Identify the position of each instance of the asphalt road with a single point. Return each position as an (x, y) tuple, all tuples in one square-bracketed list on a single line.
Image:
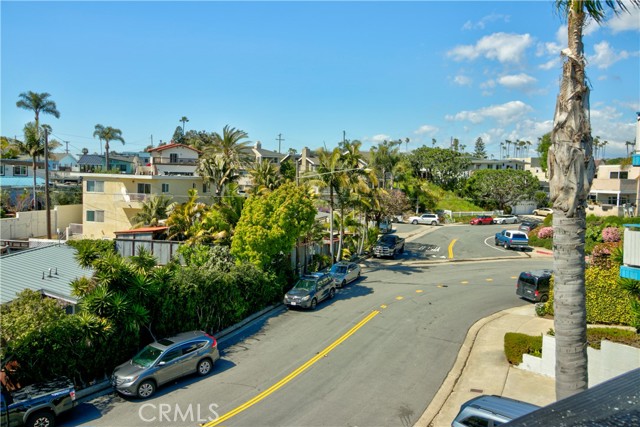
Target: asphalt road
[(374, 356)]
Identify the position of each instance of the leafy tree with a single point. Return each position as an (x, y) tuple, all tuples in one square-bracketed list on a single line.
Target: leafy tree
[(183, 217), (107, 134), (384, 159), (8, 149), (394, 202), (198, 139), (571, 172), (271, 224), (544, 144), (67, 196), (501, 188), (288, 170), (443, 167), (153, 210), (33, 145), (480, 151), (27, 313), (178, 135)]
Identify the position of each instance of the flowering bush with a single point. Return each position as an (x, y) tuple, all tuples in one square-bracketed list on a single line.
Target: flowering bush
[(601, 254), (611, 234), (545, 233)]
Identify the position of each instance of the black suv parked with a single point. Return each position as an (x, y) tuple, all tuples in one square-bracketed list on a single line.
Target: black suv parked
[(534, 285)]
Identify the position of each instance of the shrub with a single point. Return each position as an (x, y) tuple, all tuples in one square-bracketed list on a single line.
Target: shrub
[(611, 234), (607, 302), (545, 233), (517, 344), (601, 254), (541, 309), (617, 335)]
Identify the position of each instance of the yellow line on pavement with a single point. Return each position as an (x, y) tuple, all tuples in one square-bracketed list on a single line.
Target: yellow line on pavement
[(293, 374), (489, 280), (399, 298), (453, 242)]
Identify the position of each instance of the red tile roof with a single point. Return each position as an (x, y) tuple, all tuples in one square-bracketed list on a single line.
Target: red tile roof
[(172, 145), (142, 230)]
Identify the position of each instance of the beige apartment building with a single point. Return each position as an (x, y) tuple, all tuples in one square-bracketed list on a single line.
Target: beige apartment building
[(110, 201)]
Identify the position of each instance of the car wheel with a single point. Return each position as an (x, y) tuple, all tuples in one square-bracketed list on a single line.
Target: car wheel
[(314, 303), (496, 242), (204, 367), (402, 249), (544, 298), (332, 293), (41, 419), (434, 223), (414, 222), (506, 245), (358, 276), (342, 285), (146, 389)]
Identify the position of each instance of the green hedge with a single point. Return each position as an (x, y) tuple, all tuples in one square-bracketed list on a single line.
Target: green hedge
[(607, 302), (517, 344)]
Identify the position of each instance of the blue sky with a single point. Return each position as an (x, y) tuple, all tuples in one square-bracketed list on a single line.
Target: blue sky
[(311, 70)]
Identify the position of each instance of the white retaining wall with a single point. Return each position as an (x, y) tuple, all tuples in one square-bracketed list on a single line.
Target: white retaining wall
[(610, 361)]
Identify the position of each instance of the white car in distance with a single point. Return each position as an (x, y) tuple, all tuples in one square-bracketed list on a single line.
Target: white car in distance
[(425, 219), (505, 219)]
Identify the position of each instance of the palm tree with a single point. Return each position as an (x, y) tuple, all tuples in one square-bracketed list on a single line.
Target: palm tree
[(33, 146), (183, 119), (571, 170), (38, 103), (183, 217), (266, 176), (107, 134), (153, 210), (224, 158)]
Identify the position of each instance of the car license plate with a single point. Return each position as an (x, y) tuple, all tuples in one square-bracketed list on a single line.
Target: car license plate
[(293, 303)]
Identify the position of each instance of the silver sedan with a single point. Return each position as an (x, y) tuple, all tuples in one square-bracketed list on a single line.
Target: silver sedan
[(344, 272), (505, 219)]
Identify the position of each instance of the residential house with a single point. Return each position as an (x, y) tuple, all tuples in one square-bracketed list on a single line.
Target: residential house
[(496, 164), (260, 155), (16, 177), (614, 187), (47, 269), (171, 159)]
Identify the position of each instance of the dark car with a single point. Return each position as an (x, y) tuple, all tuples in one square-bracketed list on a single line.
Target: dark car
[(166, 360), (37, 404), (310, 290), (534, 285), (527, 226), (482, 220)]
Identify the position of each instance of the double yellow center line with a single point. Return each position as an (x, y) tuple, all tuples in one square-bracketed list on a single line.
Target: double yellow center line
[(293, 374)]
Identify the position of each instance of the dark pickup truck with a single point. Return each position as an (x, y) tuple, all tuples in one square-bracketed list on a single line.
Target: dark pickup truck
[(37, 405), (388, 245)]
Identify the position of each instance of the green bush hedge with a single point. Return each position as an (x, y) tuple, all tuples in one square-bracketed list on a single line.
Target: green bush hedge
[(607, 302), (517, 344)]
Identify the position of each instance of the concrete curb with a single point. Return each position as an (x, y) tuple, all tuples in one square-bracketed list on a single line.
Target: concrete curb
[(452, 378)]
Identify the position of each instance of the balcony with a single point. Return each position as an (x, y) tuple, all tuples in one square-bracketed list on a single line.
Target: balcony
[(174, 161), (131, 197)]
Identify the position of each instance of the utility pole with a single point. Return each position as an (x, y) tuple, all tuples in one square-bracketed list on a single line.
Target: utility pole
[(67, 146), (344, 137), (46, 180), (279, 139)]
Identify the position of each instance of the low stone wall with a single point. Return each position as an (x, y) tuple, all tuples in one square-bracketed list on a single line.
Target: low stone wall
[(610, 361)]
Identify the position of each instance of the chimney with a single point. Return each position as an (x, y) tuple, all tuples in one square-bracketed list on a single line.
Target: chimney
[(258, 145)]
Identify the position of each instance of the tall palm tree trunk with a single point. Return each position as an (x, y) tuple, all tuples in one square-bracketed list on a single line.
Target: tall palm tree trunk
[(35, 168), (571, 169), (331, 225)]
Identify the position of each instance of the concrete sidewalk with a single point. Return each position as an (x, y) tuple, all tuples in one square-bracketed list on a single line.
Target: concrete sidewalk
[(482, 368)]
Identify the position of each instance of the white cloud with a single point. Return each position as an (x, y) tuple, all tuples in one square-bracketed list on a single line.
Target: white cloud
[(380, 138), (502, 47), (605, 56), (426, 130), (481, 24), (625, 21), (517, 81), (553, 63), (503, 114), (462, 80)]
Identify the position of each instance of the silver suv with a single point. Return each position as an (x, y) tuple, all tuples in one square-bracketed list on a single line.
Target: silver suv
[(490, 411), (166, 360)]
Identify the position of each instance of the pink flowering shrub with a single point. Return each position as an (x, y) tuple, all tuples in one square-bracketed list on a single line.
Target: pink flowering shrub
[(545, 233), (601, 254), (611, 234)]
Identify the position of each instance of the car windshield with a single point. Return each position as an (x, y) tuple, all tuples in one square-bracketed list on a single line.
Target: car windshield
[(146, 356), (306, 284), (388, 239), (339, 269)]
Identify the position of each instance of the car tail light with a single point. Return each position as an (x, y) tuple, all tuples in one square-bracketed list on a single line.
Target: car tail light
[(536, 293), (73, 394), (215, 342)]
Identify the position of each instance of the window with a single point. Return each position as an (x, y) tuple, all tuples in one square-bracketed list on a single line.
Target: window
[(171, 355), (173, 158), (19, 171), (1, 170), (95, 216), (144, 188), (619, 175), (165, 188), (205, 187), (123, 168), (475, 421), (95, 186)]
